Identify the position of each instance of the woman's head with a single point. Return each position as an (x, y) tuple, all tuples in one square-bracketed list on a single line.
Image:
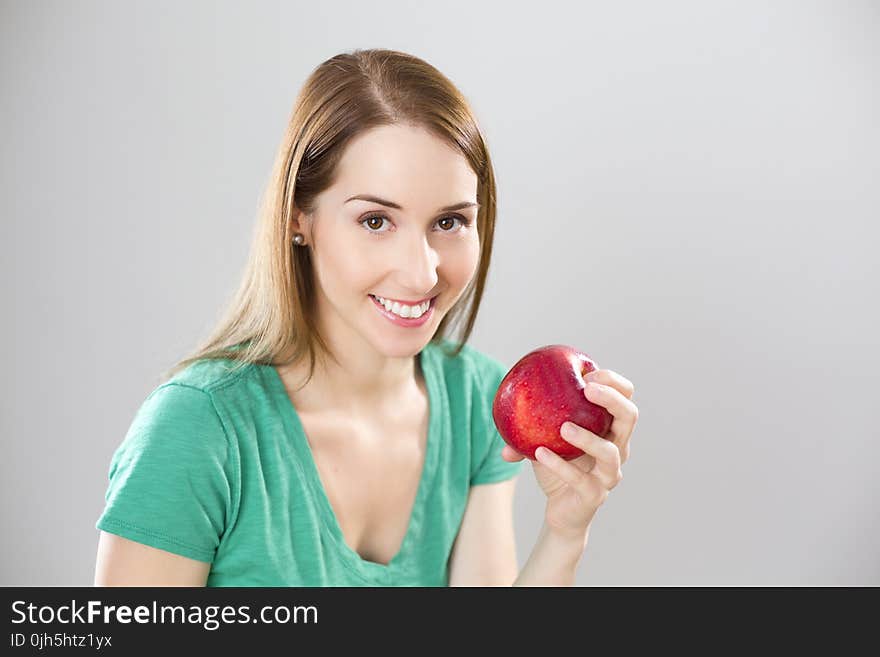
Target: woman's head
[(376, 123), (361, 247)]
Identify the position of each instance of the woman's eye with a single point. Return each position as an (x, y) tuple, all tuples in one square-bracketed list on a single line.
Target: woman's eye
[(374, 222), (451, 219)]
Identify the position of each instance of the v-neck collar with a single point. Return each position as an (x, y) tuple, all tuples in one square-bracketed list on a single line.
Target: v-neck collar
[(295, 434)]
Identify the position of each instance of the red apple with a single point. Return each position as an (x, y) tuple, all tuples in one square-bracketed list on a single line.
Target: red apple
[(544, 389)]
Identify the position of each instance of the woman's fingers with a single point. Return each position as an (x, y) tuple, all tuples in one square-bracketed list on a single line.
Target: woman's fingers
[(624, 411), (613, 379), (606, 453), (566, 471), (510, 454)]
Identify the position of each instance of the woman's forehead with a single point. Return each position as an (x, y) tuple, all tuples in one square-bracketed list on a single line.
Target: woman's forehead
[(413, 171)]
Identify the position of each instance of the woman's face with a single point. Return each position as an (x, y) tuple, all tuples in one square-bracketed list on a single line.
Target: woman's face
[(411, 253)]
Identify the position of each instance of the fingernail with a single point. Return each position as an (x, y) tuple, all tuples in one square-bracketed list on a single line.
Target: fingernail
[(567, 429)]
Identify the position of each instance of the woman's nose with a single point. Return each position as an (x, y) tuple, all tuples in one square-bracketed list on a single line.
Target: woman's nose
[(418, 266)]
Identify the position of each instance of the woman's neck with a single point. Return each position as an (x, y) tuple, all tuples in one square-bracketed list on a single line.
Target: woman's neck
[(363, 386)]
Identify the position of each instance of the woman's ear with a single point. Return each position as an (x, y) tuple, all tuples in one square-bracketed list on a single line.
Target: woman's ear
[(301, 224)]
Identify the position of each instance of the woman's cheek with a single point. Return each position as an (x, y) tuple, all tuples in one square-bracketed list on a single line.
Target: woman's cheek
[(469, 260)]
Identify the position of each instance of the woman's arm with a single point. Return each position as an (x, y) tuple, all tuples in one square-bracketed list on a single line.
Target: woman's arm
[(554, 559), (122, 562), (484, 553)]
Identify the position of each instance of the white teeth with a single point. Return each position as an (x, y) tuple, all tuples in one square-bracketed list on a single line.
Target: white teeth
[(402, 310)]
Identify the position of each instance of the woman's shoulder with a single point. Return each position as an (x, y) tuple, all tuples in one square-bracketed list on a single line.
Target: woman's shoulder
[(210, 374), (198, 392)]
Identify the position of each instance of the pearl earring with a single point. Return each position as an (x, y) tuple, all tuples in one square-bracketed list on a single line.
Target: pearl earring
[(299, 239)]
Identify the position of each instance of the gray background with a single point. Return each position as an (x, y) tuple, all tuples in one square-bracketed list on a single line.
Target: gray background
[(688, 191)]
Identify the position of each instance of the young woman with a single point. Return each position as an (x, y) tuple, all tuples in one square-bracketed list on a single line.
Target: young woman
[(329, 432)]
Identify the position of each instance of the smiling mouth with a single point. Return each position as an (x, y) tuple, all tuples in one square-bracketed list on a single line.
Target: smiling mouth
[(425, 307)]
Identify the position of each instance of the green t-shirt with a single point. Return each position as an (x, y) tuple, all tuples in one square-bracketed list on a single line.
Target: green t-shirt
[(216, 467)]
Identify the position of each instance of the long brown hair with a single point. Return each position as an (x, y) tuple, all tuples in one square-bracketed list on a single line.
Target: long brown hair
[(271, 317)]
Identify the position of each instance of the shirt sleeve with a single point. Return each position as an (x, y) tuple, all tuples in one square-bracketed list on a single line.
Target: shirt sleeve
[(171, 478), (491, 467)]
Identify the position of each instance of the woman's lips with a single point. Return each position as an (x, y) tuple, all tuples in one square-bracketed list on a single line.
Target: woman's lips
[(408, 322)]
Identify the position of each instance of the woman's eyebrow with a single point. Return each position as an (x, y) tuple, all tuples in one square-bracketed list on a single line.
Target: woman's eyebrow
[(392, 204)]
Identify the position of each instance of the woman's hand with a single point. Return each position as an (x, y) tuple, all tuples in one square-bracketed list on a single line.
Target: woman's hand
[(575, 489)]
